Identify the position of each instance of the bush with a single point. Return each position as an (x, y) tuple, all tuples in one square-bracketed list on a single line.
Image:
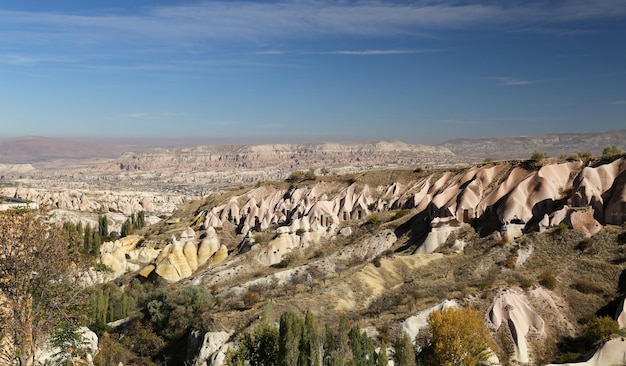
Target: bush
[(299, 176), (584, 245), (373, 222), (288, 259), (611, 151), (587, 287), (250, 299), (598, 329), (525, 282), (548, 280), (511, 262), (537, 156), (173, 312), (460, 337)]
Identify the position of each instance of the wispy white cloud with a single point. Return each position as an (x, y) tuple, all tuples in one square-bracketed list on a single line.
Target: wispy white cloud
[(618, 102), (373, 52), (271, 52), (134, 115), (20, 59), (146, 115), (506, 81), (246, 20)]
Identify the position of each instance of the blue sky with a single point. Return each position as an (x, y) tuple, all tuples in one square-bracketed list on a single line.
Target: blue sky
[(304, 70)]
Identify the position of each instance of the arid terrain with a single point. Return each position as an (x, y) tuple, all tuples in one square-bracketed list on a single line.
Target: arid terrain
[(380, 234)]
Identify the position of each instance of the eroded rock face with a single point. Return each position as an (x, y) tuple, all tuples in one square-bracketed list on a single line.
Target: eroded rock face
[(125, 202), (603, 188), (514, 194), (211, 351), (414, 324), (512, 308), (180, 259), (305, 215), (612, 352), (121, 256)]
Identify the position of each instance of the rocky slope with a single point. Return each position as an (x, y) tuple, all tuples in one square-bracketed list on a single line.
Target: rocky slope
[(384, 247), (521, 147), (343, 244), (282, 157)]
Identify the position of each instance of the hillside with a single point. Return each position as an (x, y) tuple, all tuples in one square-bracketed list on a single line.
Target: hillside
[(521, 147), (536, 247)]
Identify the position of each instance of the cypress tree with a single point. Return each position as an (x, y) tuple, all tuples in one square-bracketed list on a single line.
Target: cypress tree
[(126, 228), (264, 350), (141, 219), (95, 244), (405, 354), (290, 333), (354, 337), (310, 350), (383, 359), (87, 239), (103, 226)]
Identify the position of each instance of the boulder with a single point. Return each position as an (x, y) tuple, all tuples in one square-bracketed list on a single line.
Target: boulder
[(211, 345)]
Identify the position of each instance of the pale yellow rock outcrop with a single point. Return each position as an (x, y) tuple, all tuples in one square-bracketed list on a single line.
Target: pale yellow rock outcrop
[(191, 254), (220, 255), (208, 247)]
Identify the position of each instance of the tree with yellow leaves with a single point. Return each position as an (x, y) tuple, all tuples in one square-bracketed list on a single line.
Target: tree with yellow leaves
[(459, 337)]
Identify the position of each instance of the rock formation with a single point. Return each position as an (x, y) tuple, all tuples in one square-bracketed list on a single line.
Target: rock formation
[(511, 308), (611, 352), (181, 258)]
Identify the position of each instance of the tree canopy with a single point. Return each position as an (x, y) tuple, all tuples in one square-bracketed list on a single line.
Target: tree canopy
[(39, 294), (460, 337)]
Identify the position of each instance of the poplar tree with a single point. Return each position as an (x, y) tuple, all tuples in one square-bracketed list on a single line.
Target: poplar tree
[(290, 333), (103, 226), (405, 354), (383, 359), (310, 349)]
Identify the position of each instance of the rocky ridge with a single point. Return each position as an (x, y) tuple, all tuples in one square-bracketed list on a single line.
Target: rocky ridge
[(220, 246), (519, 147)]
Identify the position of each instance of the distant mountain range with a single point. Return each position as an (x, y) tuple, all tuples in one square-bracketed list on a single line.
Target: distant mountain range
[(35, 149), (521, 147)]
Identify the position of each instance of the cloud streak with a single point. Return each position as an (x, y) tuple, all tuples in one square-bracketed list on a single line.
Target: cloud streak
[(251, 21), (506, 81), (146, 115), (373, 52)]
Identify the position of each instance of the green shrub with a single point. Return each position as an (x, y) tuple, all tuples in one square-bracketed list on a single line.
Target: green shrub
[(598, 329), (373, 222), (173, 312), (525, 282), (548, 280), (537, 156), (611, 151), (288, 259), (587, 287)]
